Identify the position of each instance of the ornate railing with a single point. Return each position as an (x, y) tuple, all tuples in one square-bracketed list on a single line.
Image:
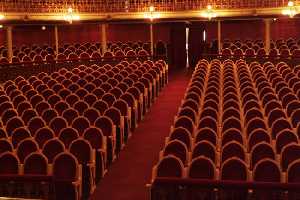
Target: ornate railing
[(106, 6)]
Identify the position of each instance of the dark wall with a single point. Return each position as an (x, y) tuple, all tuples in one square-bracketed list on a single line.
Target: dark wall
[(162, 32), (280, 29), (243, 30), (2, 36), (79, 33), (28, 35), (211, 29), (232, 30), (138, 32), (196, 42), (178, 42), (86, 33), (285, 28), (128, 32)]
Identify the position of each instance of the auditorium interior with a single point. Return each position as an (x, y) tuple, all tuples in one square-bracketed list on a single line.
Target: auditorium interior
[(150, 99)]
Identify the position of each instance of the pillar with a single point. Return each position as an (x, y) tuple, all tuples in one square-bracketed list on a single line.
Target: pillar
[(267, 35), (151, 39), (56, 39), (9, 43), (103, 37), (219, 37)]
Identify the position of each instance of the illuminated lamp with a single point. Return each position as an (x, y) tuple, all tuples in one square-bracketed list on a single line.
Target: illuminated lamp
[(291, 10), (70, 16), (209, 13), (151, 14)]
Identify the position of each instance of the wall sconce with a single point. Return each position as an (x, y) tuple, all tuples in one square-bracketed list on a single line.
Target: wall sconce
[(291, 10), (209, 13), (70, 16), (151, 14)]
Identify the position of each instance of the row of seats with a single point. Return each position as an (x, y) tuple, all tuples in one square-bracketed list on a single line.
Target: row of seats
[(89, 47), (260, 53), (237, 122), (248, 48), (279, 44), (77, 51), (72, 124), (68, 55)]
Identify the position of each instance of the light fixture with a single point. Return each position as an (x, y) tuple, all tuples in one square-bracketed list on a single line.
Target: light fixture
[(209, 13), (2, 16), (151, 8), (290, 3), (43, 28), (291, 10), (151, 14), (1, 26), (70, 16)]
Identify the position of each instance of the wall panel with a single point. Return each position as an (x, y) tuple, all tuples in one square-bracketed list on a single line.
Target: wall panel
[(285, 28), (79, 33), (28, 35), (2, 36), (128, 32)]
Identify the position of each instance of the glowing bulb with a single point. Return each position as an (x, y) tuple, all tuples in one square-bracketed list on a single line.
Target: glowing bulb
[(1, 26), (43, 28), (2, 16), (209, 7), (274, 19), (70, 10), (290, 4), (151, 8)]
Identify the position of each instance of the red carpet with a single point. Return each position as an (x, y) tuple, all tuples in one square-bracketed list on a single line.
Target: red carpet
[(129, 174)]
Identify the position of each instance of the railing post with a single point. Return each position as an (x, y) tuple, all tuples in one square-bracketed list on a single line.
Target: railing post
[(9, 43)]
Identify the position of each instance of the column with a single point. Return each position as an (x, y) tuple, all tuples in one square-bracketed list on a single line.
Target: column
[(219, 37), (103, 37), (151, 39), (56, 40), (267, 35), (9, 42)]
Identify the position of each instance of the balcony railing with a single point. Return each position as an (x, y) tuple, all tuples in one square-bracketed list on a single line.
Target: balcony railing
[(108, 6)]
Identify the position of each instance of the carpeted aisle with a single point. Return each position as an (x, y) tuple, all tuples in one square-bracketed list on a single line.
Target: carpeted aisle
[(129, 174)]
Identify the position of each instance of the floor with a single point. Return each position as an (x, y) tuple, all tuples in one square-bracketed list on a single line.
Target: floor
[(129, 174)]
